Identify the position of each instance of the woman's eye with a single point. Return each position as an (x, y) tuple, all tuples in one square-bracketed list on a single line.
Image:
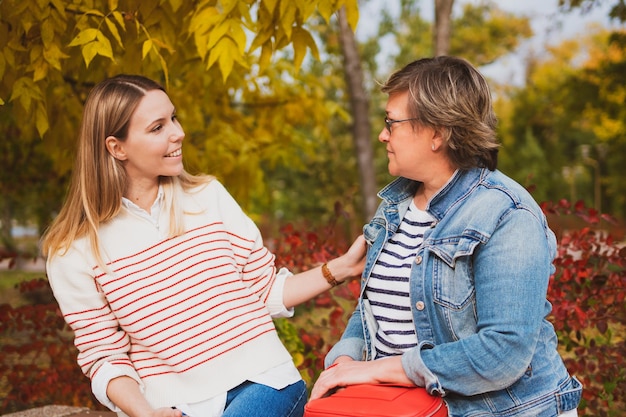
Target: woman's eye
[(157, 128)]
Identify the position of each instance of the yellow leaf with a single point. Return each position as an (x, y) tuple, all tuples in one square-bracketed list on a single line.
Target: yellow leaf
[(113, 5), (204, 19), (89, 51), (326, 9), (40, 69), (25, 90), (47, 32), (105, 48), (238, 35), (113, 29), (266, 55), (95, 12), (287, 16), (176, 4), (223, 54), (3, 65), (217, 33), (60, 6), (162, 45), (298, 358), (261, 38), (352, 13), (41, 119), (147, 46), (165, 71), (228, 5), (1, 102), (302, 40), (53, 56), (119, 18), (35, 53), (270, 5), (84, 37)]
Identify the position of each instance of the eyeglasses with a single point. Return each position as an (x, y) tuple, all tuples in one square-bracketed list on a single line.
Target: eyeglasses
[(389, 122)]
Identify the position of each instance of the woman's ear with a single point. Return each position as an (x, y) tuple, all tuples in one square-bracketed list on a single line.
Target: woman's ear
[(115, 148), (439, 139)]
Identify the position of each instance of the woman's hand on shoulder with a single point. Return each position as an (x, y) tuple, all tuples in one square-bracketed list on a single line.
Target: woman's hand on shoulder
[(354, 259)]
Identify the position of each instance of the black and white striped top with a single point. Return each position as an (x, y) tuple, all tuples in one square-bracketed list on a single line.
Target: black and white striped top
[(388, 287)]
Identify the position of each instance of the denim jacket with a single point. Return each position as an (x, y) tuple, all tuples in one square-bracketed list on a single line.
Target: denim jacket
[(478, 294)]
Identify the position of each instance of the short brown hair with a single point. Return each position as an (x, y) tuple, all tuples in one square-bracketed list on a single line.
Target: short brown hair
[(449, 95)]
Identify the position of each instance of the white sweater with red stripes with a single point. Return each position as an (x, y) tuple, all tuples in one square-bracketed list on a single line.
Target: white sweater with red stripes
[(188, 317)]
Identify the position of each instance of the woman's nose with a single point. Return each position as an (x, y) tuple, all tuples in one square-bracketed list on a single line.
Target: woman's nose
[(178, 134), (383, 136)]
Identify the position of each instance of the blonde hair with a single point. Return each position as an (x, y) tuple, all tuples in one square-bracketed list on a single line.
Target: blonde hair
[(99, 180), (449, 95)]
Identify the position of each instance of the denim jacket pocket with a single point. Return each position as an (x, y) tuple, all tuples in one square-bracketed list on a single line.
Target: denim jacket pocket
[(453, 284)]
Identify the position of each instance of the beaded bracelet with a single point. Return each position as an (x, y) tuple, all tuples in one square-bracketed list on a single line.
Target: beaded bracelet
[(329, 276)]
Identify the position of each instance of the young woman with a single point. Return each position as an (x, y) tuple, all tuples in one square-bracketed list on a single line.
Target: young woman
[(453, 296), (164, 280)]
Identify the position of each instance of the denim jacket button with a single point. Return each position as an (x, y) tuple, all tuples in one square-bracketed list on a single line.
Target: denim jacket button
[(419, 305), (418, 259)]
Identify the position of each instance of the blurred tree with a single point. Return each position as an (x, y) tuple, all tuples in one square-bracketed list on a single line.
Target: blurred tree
[(617, 11), (573, 106), (443, 27), (230, 66), (482, 33)]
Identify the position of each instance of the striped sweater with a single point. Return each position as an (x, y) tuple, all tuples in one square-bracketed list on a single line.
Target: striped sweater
[(187, 317)]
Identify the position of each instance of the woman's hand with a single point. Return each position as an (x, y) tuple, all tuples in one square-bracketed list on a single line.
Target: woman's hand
[(167, 412), (308, 284), (351, 263), (346, 371)]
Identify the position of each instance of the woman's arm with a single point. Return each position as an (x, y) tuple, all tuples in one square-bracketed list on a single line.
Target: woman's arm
[(306, 285), (346, 371), (124, 392)]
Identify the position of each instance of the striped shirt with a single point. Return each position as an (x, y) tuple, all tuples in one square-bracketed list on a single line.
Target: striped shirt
[(188, 317), (388, 286)]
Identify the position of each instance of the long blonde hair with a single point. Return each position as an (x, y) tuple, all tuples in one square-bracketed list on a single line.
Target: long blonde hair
[(99, 180)]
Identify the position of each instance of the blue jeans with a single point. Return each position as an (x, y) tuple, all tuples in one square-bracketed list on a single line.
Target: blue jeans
[(256, 400)]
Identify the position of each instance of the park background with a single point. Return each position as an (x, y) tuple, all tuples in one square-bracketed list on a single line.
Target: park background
[(280, 101)]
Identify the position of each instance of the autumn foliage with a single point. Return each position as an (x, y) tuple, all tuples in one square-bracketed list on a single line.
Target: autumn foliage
[(588, 292)]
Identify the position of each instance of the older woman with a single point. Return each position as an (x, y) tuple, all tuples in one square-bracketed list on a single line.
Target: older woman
[(453, 294)]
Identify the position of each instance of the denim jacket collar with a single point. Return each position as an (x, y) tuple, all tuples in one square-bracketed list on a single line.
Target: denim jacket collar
[(459, 185)]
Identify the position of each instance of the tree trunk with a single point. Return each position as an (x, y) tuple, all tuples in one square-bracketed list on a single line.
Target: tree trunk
[(443, 26), (359, 106)]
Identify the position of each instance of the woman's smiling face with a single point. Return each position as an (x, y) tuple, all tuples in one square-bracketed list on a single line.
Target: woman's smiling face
[(153, 147)]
